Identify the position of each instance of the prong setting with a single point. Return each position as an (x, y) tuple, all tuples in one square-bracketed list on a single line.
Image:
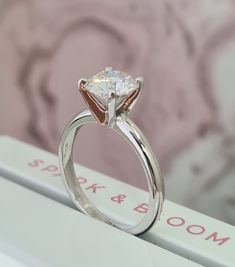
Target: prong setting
[(82, 81), (111, 113), (110, 93), (140, 80)]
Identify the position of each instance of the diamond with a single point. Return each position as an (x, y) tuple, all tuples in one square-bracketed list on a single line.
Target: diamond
[(108, 82)]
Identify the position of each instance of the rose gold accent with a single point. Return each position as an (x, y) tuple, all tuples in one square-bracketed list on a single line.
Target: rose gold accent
[(95, 108), (130, 99)]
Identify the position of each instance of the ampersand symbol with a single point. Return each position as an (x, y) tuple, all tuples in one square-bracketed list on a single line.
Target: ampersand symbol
[(119, 198)]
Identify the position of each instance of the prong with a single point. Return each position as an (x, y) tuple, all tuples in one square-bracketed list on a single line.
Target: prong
[(82, 81), (133, 97), (141, 81), (92, 104), (111, 114)]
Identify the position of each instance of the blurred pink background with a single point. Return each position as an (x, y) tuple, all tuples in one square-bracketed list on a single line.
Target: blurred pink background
[(184, 49)]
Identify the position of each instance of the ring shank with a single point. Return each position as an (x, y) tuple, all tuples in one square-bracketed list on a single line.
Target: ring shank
[(127, 130)]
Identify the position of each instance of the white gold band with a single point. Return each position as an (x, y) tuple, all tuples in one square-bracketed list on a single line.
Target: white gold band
[(127, 130)]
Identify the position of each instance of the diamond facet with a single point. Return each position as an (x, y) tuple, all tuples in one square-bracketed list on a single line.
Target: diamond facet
[(108, 82)]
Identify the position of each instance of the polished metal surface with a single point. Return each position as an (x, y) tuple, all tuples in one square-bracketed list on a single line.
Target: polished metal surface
[(115, 117), (128, 130)]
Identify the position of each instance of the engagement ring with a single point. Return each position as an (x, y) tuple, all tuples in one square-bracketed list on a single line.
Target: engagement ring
[(110, 95)]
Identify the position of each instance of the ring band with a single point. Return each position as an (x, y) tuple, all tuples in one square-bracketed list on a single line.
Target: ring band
[(115, 117)]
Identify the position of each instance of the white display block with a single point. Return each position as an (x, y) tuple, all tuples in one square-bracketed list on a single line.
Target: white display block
[(8, 261), (185, 232), (40, 232)]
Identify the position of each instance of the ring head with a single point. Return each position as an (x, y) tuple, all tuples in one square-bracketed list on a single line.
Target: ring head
[(110, 92)]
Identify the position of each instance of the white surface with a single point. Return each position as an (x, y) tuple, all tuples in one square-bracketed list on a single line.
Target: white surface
[(38, 170), (8, 261), (38, 231)]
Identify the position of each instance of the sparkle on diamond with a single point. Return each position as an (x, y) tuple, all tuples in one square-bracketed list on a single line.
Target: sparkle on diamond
[(109, 81)]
